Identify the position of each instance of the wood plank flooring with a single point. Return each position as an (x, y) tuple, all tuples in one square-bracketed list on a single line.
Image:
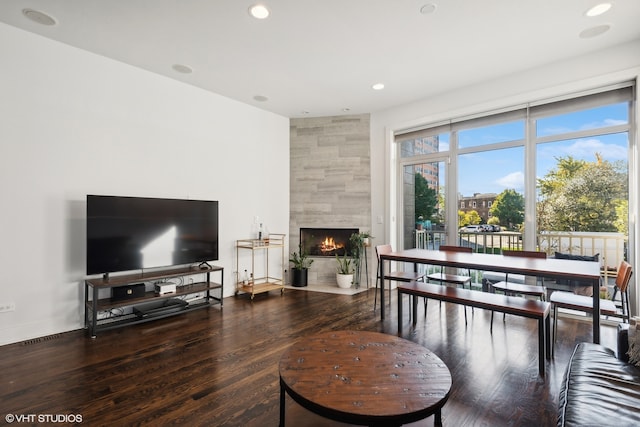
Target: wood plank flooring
[(219, 366)]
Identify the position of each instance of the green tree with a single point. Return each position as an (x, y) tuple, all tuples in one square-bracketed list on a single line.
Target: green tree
[(550, 189), (622, 212), (509, 207), (473, 217), (462, 219), (583, 196), (426, 198), (555, 179), (468, 218), (438, 217), (494, 220)]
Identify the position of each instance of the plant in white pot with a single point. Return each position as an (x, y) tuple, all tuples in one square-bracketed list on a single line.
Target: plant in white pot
[(344, 272)]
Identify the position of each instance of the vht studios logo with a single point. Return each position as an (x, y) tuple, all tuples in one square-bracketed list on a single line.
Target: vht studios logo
[(43, 418)]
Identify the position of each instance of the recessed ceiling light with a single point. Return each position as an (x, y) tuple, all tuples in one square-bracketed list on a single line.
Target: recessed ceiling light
[(594, 31), (345, 109), (184, 69), (598, 9), (259, 11), (260, 98), (304, 112), (39, 17), (378, 86), (428, 8)]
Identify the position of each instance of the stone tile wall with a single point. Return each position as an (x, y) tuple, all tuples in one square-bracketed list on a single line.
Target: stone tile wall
[(330, 182)]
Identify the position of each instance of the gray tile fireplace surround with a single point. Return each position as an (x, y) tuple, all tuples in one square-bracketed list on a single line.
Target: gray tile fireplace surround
[(330, 183)]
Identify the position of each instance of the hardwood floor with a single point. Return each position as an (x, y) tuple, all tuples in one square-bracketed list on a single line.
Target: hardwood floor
[(219, 367)]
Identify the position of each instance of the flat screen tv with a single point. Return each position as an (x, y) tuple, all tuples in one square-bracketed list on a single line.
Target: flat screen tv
[(131, 233)]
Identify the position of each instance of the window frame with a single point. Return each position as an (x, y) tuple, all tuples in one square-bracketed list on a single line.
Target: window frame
[(530, 112)]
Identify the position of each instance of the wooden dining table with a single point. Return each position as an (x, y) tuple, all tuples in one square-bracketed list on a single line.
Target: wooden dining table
[(586, 271)]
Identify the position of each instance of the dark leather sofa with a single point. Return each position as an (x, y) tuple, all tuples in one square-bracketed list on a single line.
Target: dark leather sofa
[(600, 389)]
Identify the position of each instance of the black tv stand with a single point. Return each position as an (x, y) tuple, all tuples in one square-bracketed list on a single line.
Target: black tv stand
[(204, 265), (115, 314)]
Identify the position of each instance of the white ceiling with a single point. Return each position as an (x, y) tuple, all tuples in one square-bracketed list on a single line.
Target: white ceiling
[(321, 57)]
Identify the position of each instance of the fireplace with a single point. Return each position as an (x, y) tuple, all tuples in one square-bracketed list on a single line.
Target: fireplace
[(327, 242)]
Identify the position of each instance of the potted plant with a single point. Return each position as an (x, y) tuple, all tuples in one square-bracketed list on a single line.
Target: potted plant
[(344, 272), (301, 263), (358, 241)]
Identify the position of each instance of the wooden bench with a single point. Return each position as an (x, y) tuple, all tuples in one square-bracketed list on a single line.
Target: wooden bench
[(518, 306)]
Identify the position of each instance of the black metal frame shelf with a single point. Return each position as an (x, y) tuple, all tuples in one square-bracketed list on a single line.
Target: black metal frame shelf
[(94, 304)]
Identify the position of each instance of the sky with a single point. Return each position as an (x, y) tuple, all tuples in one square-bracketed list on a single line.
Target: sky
[(498, 170)]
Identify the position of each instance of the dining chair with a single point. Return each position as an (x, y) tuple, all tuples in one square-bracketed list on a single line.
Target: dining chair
[(398, 276), (512, 288), (571, 301), (454, 279), (624, 300)]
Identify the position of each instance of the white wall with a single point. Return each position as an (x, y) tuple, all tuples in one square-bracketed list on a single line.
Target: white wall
[(558, 79), (73, 123)]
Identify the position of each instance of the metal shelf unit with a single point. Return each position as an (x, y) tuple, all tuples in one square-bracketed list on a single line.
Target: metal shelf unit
[(260, 248), (94, 304)]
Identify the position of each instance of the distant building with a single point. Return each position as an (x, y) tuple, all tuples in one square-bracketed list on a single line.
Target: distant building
[(424, 145), (479, 202), (414, 147)]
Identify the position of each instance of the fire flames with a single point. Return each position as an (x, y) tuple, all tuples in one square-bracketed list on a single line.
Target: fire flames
[(329, 245)]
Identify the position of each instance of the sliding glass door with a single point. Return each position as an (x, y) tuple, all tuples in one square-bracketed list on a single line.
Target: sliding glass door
[(423, 202)]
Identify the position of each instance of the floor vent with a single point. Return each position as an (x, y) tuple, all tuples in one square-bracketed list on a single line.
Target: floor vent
[(41, 339)]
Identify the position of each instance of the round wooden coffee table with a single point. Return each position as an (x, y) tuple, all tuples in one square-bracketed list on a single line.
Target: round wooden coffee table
[(364, 378)]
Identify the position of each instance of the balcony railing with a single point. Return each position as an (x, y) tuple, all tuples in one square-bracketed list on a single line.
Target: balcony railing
[(611, 246), (480, 241)]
